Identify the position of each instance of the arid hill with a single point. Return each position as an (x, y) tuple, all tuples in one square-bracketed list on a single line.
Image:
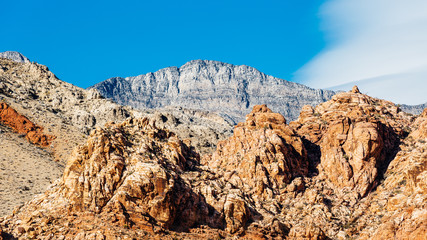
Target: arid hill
[(57, 116), (351, 168)]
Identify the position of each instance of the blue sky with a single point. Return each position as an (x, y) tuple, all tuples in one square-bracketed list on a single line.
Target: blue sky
[(85, 42), (378, 44)]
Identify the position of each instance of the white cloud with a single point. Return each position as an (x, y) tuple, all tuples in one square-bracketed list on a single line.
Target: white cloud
[(380, 43)]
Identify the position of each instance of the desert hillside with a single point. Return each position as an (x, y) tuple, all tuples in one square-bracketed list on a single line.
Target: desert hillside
[(43, 119), (353, 167)]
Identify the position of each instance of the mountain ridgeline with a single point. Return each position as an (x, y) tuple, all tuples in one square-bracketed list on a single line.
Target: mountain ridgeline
[(230, 90)]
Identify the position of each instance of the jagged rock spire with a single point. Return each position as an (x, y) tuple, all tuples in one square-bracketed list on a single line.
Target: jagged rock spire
[(355, 89)]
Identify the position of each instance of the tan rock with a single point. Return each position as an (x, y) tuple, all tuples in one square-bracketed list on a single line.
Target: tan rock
[(352, 136), (420, 125), (404, 226), (355, 89), (264, 152), (236, 213), (352, 160), (309, 232), (125, 174), (137, 181)]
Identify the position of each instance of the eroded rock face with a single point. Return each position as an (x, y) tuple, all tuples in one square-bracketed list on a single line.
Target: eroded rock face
[(22, 125), (69, 113), (355, 135), (351, 153), (212, 86), (125, 175), (403, 192), (264, 153), (135, 180)]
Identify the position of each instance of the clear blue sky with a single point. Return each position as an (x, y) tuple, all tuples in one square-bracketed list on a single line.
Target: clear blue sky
[(85, 42)]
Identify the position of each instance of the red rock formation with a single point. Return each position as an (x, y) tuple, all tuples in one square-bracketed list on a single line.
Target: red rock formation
[(355, 135), (22, 125), (264, 152), (125, 176), (133, 180)]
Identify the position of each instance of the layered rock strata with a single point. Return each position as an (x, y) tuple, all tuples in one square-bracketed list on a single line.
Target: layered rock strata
[(226, 89)]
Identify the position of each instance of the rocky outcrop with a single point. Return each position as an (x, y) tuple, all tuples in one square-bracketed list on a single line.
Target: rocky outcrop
[(125, 176), (351, 168), (356, 137), (134, 179), (420, 125), (204, 129), (69, 113), (401, 198), (22, 125), (14, 56), (264, 153), (213, 86), (36, 92)]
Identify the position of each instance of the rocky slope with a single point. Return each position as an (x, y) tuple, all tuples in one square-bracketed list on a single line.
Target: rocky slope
[(34, 91), (353, 167), (58, 116), (223, 88), (25, 170)]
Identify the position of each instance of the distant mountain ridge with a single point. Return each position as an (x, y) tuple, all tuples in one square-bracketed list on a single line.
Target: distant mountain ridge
[(230, 90), (414, 109), (15, 56)]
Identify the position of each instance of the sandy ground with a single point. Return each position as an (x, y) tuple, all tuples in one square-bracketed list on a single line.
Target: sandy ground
[(25, 170)]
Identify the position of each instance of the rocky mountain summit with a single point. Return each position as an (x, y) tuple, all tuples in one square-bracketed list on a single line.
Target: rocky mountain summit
[(226, 89), (354, 167), (14, 56)]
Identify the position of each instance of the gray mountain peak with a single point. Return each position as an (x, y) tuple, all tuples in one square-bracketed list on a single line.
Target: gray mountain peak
[(230, 90), (15, 56)]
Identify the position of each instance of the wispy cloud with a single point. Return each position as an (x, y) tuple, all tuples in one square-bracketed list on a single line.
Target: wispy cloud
[(381, 44)]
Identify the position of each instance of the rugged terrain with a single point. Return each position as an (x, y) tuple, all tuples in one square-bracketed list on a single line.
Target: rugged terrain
[(226, 89), (353, 167), (57, 116)]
